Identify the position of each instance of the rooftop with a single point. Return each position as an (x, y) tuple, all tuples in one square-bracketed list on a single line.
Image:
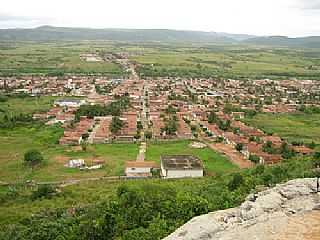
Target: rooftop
[(181, 162)]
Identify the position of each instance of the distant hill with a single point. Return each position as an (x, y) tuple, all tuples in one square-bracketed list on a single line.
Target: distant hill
[(311, 42), (49, 33)]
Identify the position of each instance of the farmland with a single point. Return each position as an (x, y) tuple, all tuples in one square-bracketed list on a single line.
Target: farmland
[(229, 62), (53, 59), (161, 60)]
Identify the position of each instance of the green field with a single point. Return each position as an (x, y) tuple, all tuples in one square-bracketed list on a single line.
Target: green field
[(214, 163), (293, 127), (53, 58), (15, 142), (26, 105), (162, 59), (229, 62)]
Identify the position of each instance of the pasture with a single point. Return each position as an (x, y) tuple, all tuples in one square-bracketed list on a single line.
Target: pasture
[(293, 127)]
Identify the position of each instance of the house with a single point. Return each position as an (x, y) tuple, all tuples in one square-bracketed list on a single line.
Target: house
[(75, 163), (237, 115), (234, 139), (181, 166), (69, 102), (139, 169)]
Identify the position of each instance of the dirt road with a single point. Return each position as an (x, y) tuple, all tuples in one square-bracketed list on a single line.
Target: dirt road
[(235, 157)]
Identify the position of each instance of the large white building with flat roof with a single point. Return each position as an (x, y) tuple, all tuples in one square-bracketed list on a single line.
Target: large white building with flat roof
[(181, 166)]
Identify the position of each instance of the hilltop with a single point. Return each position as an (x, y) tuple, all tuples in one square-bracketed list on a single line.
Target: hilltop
[(276, 213), (50, 33)]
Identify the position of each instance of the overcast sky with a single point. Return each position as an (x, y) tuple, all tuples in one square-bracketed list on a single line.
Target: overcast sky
[(260, 17)]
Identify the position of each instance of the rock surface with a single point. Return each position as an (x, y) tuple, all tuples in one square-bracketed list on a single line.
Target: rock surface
[(287, 211)]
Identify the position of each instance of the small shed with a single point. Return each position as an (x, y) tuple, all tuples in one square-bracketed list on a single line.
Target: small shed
[(75, 163)]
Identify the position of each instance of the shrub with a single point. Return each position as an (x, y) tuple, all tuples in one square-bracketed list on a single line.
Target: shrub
[(33, 157), (254, 158), (43, 191), (236, 181)]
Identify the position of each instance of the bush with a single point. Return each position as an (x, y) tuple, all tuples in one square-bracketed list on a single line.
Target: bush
[(3, 98), (43, 191), (236, 181), (254, 158), (33, 157)]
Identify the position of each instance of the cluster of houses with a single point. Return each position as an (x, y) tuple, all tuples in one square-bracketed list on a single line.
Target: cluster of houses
[(154, 102)]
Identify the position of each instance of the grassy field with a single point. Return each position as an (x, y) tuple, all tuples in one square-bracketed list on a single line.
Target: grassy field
[(50, 58), (26, 105), (213, 162), (293, 127), (162, 59), (229, 61), (17, 141), (14, 143)]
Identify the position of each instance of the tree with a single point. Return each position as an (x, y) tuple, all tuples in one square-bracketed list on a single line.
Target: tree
[(286, 151), (116, 124), (43, 191), (148, 135), (171, 125), (84, 145), (212, 118), (236, 181), (254, 158), (239, 147), (33, 157)]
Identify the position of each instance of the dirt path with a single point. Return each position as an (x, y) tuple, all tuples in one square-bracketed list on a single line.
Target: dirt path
[(235, 157)]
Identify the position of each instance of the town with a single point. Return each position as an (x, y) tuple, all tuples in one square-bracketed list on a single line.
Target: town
[(211, 112)]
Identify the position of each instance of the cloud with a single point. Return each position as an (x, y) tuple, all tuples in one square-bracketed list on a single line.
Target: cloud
[(309, 4), (7, 17), (10, 21)]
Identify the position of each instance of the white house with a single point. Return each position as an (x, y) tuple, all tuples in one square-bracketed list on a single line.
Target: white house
[(139, 169), (75, 163), (70, 102), (181, 166)]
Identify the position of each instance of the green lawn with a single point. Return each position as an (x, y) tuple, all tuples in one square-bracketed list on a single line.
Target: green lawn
[(293, 127), (213, 162)]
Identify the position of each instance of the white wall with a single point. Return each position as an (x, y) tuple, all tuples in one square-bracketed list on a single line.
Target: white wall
[(184, 173), (137, 170)]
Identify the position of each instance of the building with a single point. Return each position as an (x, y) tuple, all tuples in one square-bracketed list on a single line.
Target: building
[(139, 169), (69, 102), (181, 166)]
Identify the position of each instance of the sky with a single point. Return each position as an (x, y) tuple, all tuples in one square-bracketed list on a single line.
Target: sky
[(292, 18)]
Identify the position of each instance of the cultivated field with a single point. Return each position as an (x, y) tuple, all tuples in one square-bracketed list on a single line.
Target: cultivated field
[(229, 62), (161, 59)]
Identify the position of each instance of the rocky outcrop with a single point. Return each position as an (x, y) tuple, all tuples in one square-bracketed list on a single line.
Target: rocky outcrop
[(263, 216)]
